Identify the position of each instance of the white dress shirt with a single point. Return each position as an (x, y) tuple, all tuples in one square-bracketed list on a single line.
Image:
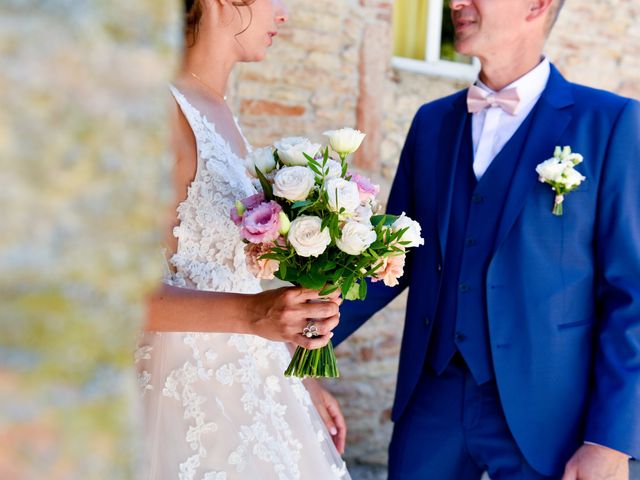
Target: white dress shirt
[(492, 127)]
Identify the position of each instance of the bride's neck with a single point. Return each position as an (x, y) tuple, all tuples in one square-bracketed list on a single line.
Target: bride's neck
[(212, 65)]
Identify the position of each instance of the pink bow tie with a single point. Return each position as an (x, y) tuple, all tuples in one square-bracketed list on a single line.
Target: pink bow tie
[(479, 99)]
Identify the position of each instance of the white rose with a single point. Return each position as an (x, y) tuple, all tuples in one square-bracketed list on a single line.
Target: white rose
[(332, 169), (345, 140), (307, 237), (261, 158), (342, 194), (571, 178), (363, 214), (356, 238), (413, 235), (293, 183), (551, 170), (291, 150)]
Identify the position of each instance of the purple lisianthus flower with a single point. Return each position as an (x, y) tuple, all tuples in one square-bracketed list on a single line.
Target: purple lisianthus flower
[(237, 212), (253, 201), (367, 189), (262, 223)]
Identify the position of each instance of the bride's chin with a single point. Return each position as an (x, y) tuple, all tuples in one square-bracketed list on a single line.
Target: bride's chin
[(255, 57)]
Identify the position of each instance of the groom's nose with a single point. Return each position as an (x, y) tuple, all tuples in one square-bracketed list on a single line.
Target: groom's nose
[(458, 4)]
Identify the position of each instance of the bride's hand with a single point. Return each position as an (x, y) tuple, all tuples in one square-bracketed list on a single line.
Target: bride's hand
[(282, 314), (329, 409)]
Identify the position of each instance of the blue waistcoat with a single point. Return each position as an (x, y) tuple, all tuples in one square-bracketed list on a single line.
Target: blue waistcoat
[(461, 316)]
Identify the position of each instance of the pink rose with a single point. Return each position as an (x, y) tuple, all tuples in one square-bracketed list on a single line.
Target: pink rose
[(248, 203), (261, 224), (366, 188), (261, 268), (391, 269)]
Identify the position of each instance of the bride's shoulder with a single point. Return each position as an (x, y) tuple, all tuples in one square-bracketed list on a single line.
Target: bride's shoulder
[(191, 98)]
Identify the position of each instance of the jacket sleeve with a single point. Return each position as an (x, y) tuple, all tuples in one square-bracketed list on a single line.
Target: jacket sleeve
[(614, 410), (353, 314)]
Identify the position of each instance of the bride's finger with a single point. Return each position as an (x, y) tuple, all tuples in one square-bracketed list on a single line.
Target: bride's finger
[(338, 420), (320, 310), (305, 294), (328, 421)]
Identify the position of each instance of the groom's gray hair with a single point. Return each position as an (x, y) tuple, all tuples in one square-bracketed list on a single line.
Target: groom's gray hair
[(554, 13)]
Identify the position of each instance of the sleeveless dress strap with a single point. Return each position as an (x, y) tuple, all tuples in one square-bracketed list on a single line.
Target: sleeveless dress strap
[(192, 115)]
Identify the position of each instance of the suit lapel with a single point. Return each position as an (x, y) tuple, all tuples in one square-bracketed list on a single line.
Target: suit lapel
[(454, 121), (551, 117)]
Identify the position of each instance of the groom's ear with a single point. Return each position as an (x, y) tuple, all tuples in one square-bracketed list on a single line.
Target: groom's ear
[(539, 9)]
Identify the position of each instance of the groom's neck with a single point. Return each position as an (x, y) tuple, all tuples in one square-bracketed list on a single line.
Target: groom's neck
[(498, 71)]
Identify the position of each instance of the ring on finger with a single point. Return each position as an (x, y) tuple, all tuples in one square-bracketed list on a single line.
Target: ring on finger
[(311, 330)]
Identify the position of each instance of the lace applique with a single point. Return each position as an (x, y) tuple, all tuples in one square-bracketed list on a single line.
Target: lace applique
[(210, 253), (260, 402), (215, 476), (144, 380), (179, 386)]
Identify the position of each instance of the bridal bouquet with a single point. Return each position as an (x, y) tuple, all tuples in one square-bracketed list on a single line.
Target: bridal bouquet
[(313, 225)]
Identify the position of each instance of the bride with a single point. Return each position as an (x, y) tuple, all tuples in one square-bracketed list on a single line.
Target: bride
[(211, 359)]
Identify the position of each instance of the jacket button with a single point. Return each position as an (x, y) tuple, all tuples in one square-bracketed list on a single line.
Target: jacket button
[(470, 242), (464, 288), (439, 267), (460, 337), (477, 199), (427, 321)]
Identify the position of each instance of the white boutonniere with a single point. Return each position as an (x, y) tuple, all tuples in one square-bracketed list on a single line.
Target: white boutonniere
[(560, 173)]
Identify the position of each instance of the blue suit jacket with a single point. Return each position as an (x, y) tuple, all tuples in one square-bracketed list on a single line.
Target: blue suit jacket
[(562, 293)]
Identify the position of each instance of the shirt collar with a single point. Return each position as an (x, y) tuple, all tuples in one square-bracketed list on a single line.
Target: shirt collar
[(530, 86)]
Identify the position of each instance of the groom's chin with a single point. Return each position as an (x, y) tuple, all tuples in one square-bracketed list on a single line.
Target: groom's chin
[(463, 46)]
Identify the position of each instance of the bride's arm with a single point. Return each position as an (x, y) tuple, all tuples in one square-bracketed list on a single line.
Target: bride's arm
[(279, 314)]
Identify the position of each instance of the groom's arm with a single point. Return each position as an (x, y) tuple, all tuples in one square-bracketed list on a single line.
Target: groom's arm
[(614, 413), (353, 314)]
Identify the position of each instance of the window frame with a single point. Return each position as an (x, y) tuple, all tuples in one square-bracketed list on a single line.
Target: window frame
[(433, 64)]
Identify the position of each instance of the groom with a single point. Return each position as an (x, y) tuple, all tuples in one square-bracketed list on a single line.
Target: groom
[(521, 347)]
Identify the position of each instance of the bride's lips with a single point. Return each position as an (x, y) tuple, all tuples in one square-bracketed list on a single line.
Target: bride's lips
[(271, 35)]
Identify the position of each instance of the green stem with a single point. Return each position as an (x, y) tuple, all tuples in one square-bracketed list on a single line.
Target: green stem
[(313, 363)]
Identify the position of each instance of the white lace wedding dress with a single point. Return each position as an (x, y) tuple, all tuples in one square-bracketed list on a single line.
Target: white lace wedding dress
[(217, 406)]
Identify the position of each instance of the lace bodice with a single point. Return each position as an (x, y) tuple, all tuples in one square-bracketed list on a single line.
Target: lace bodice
[(210, 253)]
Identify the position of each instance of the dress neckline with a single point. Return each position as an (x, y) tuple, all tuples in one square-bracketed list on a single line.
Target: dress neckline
[(212, 128)]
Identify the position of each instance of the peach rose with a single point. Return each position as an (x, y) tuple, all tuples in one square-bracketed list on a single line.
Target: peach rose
[(391, 269), (263, 269)]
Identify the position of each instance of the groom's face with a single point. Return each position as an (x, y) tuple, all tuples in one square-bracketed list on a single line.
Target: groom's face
[(487, 27)]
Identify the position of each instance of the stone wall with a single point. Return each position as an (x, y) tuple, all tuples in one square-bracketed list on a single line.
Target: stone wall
[(330, 67), (83, 156)]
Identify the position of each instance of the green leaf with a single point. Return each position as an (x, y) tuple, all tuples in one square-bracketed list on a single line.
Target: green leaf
[(327, 266), (271, 256), (363, 289), (316, 168), (264, 183), (384, 219), (337, 275), (346, 285), (302, 203), (328, 289), (353, 293), (344, 169), (312, 282)]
